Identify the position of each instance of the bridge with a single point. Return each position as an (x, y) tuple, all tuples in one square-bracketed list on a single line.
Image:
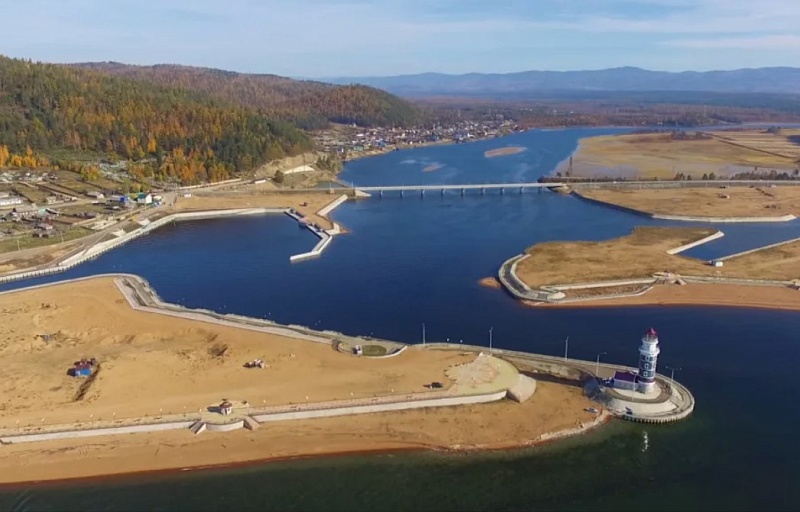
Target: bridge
[(463, 188)]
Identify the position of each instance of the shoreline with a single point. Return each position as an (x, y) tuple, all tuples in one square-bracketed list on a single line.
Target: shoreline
[(381, 448)]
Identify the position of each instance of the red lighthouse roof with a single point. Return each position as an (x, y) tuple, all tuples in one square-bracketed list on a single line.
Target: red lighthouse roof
[(652, 332)]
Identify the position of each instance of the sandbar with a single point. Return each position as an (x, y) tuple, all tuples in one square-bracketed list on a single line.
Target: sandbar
[(511, 150), (157, 365)]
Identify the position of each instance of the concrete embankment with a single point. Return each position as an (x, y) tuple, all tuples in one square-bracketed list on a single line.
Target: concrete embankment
[(104, 246)]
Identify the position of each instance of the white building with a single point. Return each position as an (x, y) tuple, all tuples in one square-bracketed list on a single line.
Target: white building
[(10, 201), (644, 381)]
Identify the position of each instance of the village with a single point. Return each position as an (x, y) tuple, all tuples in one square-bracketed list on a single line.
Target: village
[(350, 141), (37, 206)]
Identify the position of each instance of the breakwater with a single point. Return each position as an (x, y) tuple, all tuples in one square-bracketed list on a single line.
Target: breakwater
[(104, 246)]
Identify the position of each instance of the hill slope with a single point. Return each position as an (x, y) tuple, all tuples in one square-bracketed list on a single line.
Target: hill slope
[(783, 80), (309, 104), (191, 137)]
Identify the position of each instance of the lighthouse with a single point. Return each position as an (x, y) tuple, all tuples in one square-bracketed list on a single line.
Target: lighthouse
[(648, 356)]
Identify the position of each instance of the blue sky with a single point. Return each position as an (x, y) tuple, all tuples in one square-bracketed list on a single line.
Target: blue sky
[(318, 38)]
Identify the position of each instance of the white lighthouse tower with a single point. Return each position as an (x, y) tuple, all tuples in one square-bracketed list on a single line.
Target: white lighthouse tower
[(648, 356)]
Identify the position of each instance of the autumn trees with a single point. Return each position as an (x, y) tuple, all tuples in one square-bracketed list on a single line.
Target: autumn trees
[(308, 104), (170, 133)]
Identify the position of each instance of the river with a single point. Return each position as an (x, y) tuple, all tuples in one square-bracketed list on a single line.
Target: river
[(412, 260)]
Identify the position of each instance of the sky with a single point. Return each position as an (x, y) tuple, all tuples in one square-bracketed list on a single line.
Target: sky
[(336, 38)]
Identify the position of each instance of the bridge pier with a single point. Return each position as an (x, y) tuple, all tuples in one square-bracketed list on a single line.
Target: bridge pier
[(502, 191), (380, 193), (483, 191), (442, 192), (422, 192), (462, 192), (401, 193), (521, 189)]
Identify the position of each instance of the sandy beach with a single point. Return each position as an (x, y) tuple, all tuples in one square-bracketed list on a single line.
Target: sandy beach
[(157, 365)]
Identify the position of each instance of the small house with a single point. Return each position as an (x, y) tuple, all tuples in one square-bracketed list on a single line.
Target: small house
[(717, 263), (10, 201), (26, 210), (144, 198), (95, 194), (225, 408), (624, 380)]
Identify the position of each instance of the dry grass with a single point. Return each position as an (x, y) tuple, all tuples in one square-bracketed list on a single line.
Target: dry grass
[(783, 144), (778, 263), (643, 253), (640, 254), (657, 155), (743, 201)]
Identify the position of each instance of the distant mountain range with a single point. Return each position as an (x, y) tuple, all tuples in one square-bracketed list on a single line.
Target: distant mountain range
[(780, 80)]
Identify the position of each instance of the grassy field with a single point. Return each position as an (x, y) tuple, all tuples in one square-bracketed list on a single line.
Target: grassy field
[(642, 254), (741, 201), (29, 242), (658, 155)]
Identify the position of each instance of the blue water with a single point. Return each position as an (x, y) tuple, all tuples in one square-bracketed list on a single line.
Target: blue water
[(412, 260)]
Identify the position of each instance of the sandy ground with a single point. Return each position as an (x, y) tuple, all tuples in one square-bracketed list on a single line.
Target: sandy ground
[(502, 424), (640, 254), (742, 201), (39, 256), (503, 151), (706, 295), (153, 364), (657, 155), (261, 196)]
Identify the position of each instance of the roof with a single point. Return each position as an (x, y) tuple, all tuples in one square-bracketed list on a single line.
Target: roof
[(652, 332), (625, 376)]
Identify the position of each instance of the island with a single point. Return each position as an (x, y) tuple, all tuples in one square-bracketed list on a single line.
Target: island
[(646, 267), (511, 150)]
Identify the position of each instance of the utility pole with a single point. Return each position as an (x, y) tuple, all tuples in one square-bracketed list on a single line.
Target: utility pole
[(566, 348), (423, 333), (597, 364), (490, 339)]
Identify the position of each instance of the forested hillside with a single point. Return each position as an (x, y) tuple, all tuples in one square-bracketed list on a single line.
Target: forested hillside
[(188, 135), (311, 105)]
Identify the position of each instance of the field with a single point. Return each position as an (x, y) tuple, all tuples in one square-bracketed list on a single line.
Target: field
[(29, 242), (658, 155), (741, 201), (785, 144), (642, 254), (156, 365)]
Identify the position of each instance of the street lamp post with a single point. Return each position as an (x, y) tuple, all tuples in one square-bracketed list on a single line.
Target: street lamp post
[(672, 374), (597, 363), (566, 348), (490, 339)]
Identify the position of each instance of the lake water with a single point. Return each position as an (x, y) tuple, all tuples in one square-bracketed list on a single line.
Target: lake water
[(412, 260)]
